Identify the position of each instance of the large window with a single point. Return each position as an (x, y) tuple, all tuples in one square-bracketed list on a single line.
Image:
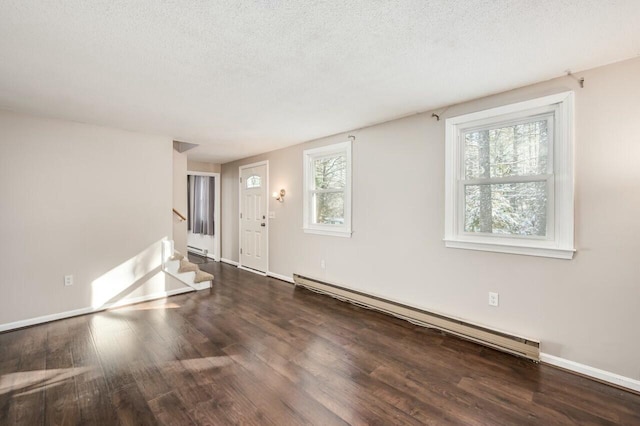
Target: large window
[(509, 183), (327, 194)]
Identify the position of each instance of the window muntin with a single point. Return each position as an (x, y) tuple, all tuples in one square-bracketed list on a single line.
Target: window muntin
[(328, 190), (509, 178)]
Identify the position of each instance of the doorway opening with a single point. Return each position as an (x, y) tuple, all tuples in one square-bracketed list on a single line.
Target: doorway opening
[(203, 215)]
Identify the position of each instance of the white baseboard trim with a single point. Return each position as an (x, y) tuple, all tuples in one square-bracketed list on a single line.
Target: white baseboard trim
[(281, 277), (596, 373), (201, 286), (255, 271), (229, 261), (83, 311)]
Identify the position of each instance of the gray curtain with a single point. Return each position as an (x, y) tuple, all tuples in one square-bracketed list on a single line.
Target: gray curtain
[(201, 204)]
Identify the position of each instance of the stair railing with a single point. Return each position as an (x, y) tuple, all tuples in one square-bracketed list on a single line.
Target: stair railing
[(180, 215)]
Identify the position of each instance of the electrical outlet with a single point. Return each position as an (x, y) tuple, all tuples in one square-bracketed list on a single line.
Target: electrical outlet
[(494, 299), (323, 264), (68, 280)]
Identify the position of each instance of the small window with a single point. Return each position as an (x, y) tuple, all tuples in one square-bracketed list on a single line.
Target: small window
[(254, 181), (327, 195), (510, 179)]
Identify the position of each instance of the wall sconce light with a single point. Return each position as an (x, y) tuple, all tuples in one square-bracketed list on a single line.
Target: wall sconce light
[(279, 195)]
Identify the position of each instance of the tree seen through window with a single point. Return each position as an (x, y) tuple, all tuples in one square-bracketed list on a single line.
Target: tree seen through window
[(496, 201)]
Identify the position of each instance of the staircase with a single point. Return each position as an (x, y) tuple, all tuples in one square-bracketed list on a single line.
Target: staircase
[(175, 264)]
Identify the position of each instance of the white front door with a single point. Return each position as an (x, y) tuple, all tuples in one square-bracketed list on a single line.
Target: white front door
[(253, 217)]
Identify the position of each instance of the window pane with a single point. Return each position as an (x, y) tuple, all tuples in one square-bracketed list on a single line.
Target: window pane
[(328, 208), (516, 150), (330, 172), (513, 208), (254, 181)]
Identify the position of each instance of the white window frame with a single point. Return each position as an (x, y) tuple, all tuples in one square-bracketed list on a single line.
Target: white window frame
[(559, 241), (308, 157)]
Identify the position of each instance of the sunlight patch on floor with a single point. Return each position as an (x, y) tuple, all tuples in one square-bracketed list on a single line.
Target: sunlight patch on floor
[(37, 380), (27, 382), (170, 305)]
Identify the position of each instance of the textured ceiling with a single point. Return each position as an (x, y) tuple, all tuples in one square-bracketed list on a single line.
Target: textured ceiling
[(244, 77)]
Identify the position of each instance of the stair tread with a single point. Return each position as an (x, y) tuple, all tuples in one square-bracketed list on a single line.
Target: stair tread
[(202, 276), (176, 256), (186, 266)]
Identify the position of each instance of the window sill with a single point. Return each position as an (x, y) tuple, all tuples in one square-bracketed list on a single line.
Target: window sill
[(329, 232), (552, 252)]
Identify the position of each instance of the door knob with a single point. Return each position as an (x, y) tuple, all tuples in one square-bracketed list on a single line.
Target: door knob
[(263, 224)]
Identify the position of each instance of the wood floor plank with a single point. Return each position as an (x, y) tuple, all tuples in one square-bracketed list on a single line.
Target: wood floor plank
[(26, 404), (169, 410), (91, 386), (115, 354), (96, 405), (61, 395), (130, 406), (277, 390), (254, 350)]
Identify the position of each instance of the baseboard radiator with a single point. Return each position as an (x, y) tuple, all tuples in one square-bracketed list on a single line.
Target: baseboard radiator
[(501, 341), (197, 250)]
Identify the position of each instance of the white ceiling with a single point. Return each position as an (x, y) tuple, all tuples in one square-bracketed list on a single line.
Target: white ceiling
[(245, 77)]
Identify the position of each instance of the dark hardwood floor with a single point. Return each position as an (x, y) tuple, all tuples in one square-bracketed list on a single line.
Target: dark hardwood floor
[(254, 350)]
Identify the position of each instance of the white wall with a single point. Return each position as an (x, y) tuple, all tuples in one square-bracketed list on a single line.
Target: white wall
[(180, 201), (83, 200), (584, 310), (199, 166)]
